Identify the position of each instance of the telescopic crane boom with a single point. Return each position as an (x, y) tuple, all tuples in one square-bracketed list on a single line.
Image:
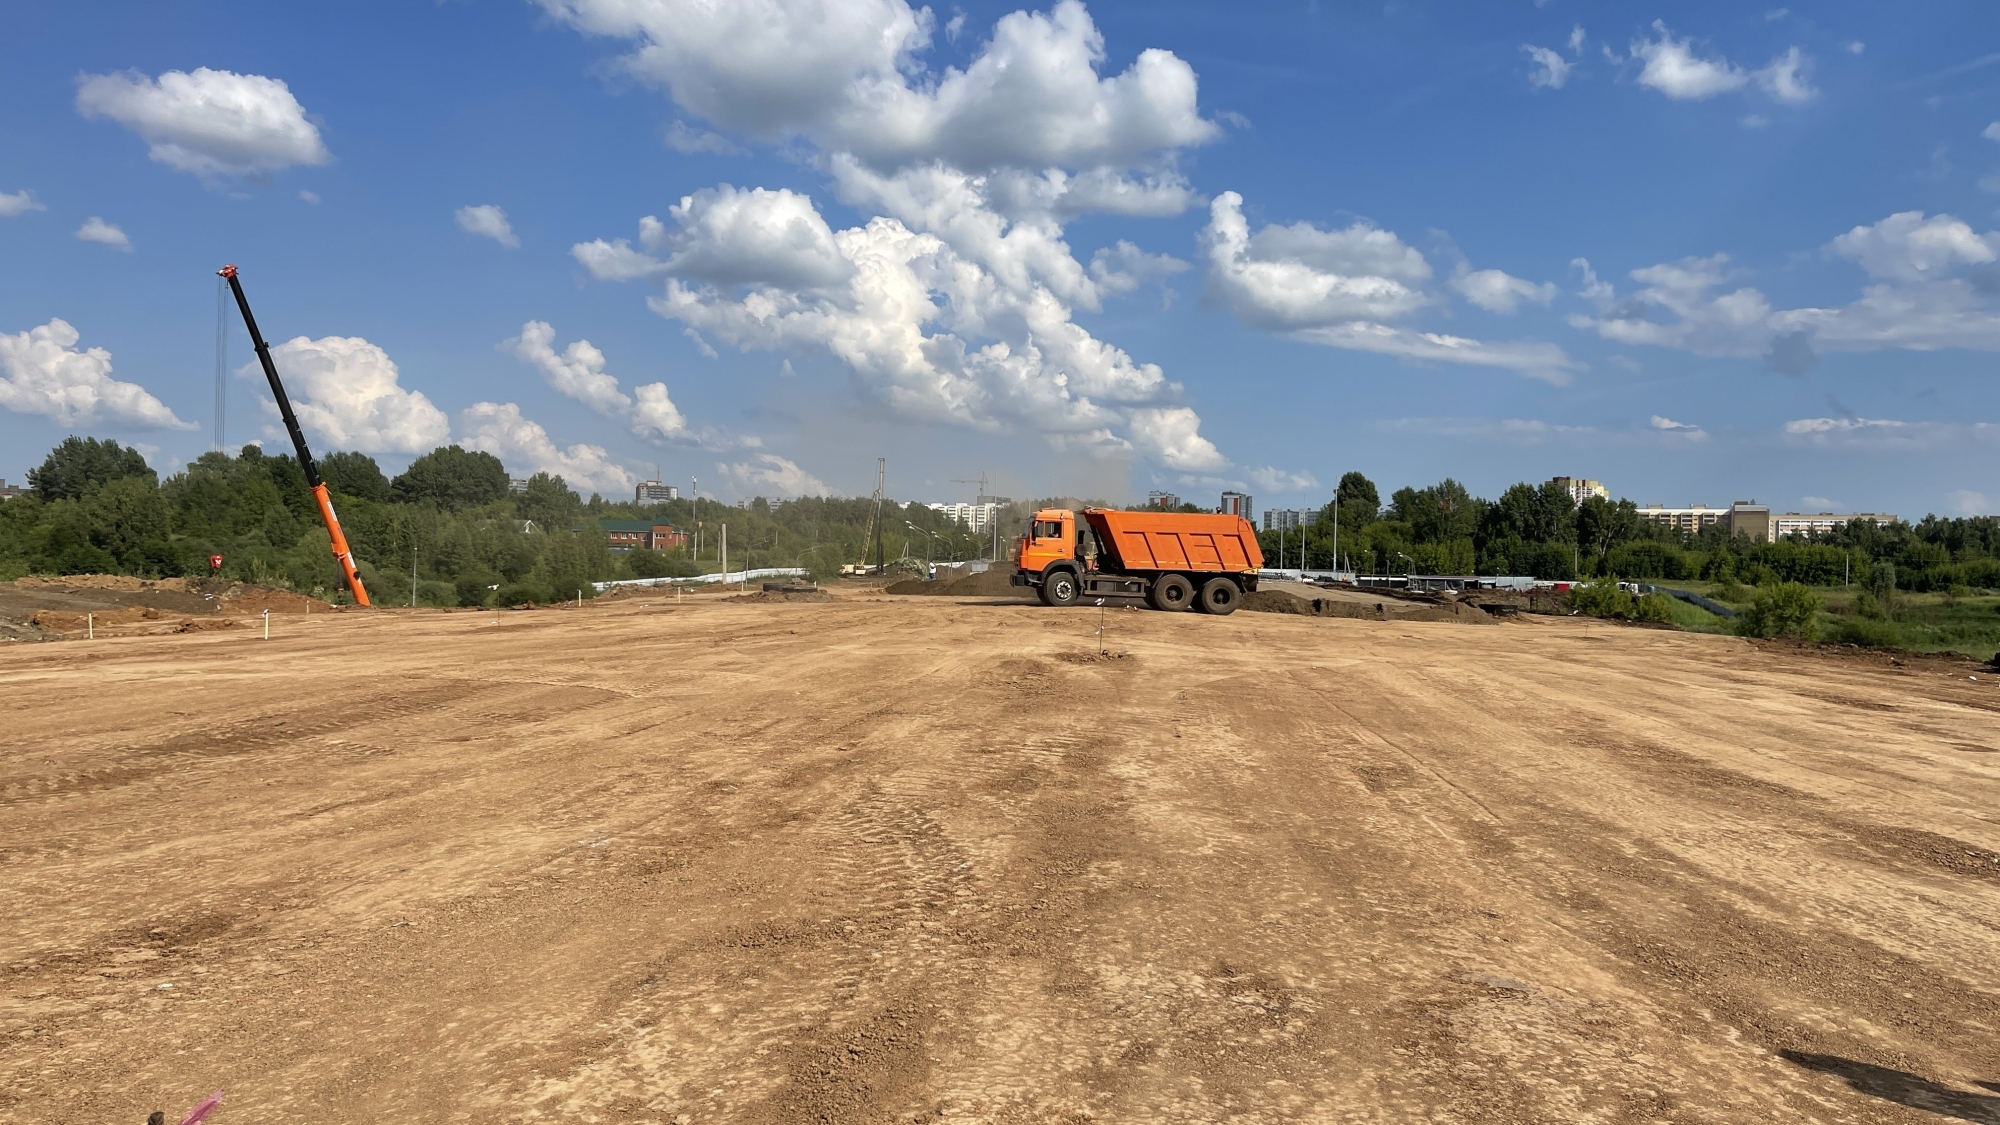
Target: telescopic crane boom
[(341, 554)]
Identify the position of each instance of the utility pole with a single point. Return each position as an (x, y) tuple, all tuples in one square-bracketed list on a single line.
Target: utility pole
[(1336, 531)]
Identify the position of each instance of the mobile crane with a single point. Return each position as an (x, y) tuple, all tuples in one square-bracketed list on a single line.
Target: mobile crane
[(341, 554)]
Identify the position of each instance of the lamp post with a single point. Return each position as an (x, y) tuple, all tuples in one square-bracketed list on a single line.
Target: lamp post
[(929, 539)]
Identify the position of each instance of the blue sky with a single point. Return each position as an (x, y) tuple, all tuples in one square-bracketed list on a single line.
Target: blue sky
[(1703, 253)]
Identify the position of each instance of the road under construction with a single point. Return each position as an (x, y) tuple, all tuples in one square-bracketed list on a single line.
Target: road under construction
[(887, 858)]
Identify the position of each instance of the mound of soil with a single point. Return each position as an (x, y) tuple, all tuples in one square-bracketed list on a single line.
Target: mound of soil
[(1281, 601), (780, 596), (995, 582)]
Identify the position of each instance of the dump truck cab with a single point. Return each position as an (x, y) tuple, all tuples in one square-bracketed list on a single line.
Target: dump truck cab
[(1173, 560), (1050, 539)]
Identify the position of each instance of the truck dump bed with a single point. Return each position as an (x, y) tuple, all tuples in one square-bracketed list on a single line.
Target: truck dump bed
[(1142, 541)]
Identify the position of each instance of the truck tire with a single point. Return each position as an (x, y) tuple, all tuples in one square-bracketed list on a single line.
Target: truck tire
[(1059, 588), (1219, 596), (1171, 592)]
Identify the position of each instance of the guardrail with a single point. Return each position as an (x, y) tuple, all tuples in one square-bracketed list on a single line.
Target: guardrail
[(706, 579)]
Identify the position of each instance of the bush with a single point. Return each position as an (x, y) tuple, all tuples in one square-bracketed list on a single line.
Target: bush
[(1601, 598), (522, 593), (1783, 609), (1868, 633), (1651, 607), (471, 590), (652, 564)]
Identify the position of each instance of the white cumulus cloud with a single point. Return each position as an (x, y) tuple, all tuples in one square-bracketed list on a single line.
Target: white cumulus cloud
[(45, 374), (1550, 70), (348, 392), (488, 221), (578, 372), (847, 77), (954, 303), (208, 122), (18, 203), (767, 474), (1673, 68), (1928, 292), (1500, 292), (1337, 288), (500, 428), (97, 230)]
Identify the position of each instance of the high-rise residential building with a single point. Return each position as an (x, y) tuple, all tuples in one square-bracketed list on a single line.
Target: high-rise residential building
[(1283, 519), (653, 492), (1166, 500), (1238, 504), (977, 517), (1581, 488)]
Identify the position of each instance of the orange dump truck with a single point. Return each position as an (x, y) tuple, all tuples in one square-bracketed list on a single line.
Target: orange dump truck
[(1173, 559)]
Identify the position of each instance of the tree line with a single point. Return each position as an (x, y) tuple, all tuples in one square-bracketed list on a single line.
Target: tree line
[(454, 524), (1541, 531), (451, 521)]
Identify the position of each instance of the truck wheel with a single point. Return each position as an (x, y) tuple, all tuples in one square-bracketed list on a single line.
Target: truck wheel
[(1059, 589), (1219, 596), (1171, 592)]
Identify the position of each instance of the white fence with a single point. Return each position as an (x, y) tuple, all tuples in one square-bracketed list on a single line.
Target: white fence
[(705, 579)]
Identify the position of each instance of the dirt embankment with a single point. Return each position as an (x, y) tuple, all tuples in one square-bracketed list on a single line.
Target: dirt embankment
[(37, 608), (994, 582), (1387, 609)]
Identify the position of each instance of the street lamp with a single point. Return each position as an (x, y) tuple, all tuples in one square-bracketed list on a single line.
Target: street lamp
[(928, 540)]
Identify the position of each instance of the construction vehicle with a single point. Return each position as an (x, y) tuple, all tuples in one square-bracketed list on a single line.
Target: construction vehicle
[(341, 555), (1172, 559)]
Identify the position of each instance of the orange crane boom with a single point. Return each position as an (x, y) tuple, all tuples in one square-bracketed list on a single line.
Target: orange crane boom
[(341, 554)]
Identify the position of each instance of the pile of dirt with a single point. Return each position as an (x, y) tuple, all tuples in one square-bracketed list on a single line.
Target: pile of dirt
[(1282, 601), (204, 624), (119, 582), (994, 582), (781, 596)]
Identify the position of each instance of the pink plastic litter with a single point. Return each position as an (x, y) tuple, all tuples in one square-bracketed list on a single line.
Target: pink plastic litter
[(204, 1109)]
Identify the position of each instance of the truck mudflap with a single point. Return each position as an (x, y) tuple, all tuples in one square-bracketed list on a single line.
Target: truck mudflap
[(1018, 579)]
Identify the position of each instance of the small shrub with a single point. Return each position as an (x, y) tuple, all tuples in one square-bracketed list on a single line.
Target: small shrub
[(1782, 609), (1956, 593), (470, 590), (1868, 633), (522, 593), (1651, 607), (1600, 598), (1728, 590)]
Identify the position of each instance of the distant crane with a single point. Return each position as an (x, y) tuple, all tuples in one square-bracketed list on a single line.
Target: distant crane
[(874, 528), (992, 518), (341, 554)]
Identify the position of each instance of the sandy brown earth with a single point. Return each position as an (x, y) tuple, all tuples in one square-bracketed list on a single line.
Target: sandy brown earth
[(923, 859)]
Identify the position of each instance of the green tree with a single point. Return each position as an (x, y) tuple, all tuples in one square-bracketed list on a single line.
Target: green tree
[(549, 503), (452, 478), (1782, 609), (354, 474), (78, 463)]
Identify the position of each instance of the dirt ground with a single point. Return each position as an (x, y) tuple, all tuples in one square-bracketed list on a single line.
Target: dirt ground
[(927, 859)]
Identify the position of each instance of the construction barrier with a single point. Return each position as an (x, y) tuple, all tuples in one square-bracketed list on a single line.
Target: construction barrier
[(705, 579)]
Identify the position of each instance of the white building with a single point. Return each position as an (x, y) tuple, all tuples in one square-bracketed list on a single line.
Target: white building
[(1283, 519), (653, 492), (1581, 488), (977, 517), (1799, 523)]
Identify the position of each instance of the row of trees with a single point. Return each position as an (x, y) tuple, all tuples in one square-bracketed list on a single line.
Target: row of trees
[(450, 521), (1541, 531)]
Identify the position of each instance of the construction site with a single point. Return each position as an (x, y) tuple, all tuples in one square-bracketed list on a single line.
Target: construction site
[(856, 856)]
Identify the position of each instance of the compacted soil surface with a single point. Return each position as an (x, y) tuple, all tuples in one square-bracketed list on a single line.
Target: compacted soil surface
[(886, 859)]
